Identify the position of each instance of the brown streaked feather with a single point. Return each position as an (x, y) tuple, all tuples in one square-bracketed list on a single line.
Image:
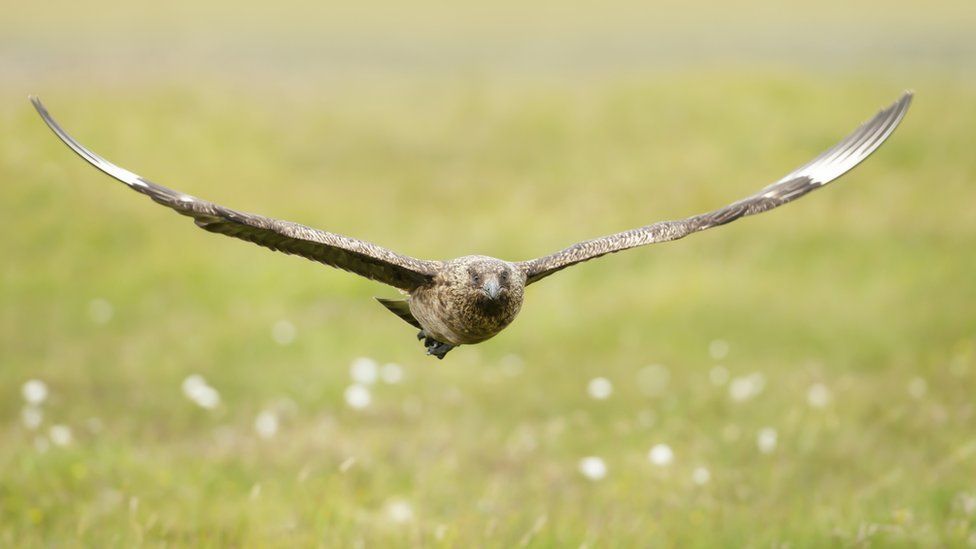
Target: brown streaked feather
[(356, 256), (830, 165)]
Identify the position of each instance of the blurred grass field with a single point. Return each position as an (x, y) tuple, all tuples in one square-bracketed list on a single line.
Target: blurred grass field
[(817, 361)]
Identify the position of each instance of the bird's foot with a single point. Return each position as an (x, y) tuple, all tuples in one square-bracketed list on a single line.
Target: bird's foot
[(436, 348)]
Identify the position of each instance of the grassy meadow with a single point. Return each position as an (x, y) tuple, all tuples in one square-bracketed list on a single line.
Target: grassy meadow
[(804, 377)]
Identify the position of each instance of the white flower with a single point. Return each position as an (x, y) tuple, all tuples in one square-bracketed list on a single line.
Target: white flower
[(701, 476), (512, 365), (100, 311), (718, 349), (599, 388), (965, 503), (196, 389), (818, 395), (283, 332), (917, 387), (357, 396), (191, 383), (364, 371), (266, 424), (60, 435), (31, 416), (347, 464), (208, 397), (718, 375), (34, 391), (593, 468), (391, 373), (766, 440), (661, 455), (399, 511), (746, 387)]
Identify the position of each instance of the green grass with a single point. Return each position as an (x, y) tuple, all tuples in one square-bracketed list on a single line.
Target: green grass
[(865, 287)]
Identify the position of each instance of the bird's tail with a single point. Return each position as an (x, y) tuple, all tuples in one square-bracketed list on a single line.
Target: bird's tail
[(400, 308)]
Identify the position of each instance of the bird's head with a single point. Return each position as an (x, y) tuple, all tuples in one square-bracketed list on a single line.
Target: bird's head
[(487, 281)]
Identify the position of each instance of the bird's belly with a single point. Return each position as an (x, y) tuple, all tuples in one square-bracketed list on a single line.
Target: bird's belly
[(459, 323)]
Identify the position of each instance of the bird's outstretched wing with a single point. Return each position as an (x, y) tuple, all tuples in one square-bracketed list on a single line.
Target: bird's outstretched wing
[(830, 165), (350, 254)]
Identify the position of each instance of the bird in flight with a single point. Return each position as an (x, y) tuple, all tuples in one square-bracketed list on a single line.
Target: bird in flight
[(470, 299)]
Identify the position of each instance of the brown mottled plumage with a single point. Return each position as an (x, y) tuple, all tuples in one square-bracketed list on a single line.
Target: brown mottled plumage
[(470, 299)]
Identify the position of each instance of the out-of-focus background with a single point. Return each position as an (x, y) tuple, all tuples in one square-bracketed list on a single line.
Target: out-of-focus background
[(801, 378)]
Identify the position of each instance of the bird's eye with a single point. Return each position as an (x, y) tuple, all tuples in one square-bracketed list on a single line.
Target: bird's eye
[(505, 275), (476, 278)]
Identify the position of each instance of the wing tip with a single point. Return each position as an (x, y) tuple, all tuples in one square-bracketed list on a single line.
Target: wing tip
[(48, 119), (900, 107), (125, 176), (906, 98), (857, 146), (38, 106), (897, 112)]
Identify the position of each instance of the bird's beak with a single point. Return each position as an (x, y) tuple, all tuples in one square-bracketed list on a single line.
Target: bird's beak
[(492, 288)]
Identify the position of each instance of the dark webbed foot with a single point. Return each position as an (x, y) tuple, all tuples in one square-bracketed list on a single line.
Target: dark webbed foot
[(434, 347), (438, 349)]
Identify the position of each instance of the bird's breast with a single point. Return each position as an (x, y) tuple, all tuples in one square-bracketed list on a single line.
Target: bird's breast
[(461, 317)]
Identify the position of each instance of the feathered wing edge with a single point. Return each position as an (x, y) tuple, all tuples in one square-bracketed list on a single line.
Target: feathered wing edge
[(830, 165), (356, 256)]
